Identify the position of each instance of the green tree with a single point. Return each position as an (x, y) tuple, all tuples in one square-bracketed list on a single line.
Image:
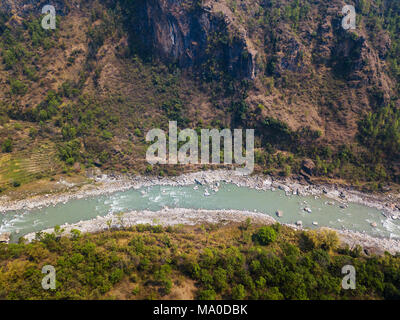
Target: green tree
[(207, 295), (238, 292), (265, 235)]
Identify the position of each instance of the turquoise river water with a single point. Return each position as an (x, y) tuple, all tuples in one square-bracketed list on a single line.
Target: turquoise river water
[(355, 217)]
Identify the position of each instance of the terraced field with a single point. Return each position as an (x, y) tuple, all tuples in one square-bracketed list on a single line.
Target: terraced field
[(16, 169)]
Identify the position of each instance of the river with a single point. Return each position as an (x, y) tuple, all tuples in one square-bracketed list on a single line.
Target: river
[(324, 211)]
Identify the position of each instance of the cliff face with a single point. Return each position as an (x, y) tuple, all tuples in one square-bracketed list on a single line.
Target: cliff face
[(180, 32)]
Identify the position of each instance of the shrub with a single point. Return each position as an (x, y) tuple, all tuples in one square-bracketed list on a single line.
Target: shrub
[(7, 146), (75, 233), (220, 279), (30, 73), (68, 132), (287, 171), (18, 87), (157, 229), (136, 290), (106, 135), (207, 295), (273, 294), (238, 292), (33, 132), (265, 235), (43, 115), (9, 59), (323, 239), (70, 151), (70, 161), (16, 184), (116, 276)]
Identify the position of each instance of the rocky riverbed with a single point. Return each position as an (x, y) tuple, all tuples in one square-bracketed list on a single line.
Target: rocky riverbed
[(103, 184)]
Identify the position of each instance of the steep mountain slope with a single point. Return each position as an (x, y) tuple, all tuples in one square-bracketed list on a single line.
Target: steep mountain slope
[(112, 70)]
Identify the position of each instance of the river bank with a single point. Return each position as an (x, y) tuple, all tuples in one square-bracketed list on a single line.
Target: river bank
[(103, 185)]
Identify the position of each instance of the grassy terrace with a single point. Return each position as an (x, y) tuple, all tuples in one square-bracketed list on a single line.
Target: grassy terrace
[(24, 167)]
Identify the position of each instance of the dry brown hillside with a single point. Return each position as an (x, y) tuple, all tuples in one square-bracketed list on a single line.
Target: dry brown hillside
[(86, 93)]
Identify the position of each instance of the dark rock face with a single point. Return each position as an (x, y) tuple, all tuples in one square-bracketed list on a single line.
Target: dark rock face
[(181, 35)]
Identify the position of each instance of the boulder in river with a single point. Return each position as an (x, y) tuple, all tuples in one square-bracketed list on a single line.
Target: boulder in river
[(299, 223), (279, 213)]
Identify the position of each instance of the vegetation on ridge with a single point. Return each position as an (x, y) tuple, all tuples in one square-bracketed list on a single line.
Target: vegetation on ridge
[(207, 262)]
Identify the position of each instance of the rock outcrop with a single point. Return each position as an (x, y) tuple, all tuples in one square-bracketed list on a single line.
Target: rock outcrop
[(190, 35)]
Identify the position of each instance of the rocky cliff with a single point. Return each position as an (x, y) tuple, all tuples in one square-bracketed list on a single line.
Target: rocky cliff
[(180, 32)]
